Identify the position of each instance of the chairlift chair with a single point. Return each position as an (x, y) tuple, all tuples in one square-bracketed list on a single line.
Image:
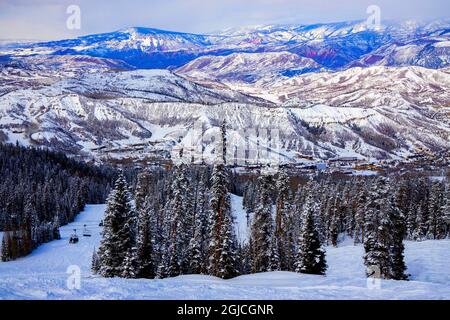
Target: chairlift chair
[(74, 237), (86, 232)]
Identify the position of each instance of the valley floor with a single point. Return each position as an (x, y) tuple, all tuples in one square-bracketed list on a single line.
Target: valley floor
[(43, 275)]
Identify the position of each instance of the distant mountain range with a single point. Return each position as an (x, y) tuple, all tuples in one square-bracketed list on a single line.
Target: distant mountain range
[(332, 89), (333, 45)]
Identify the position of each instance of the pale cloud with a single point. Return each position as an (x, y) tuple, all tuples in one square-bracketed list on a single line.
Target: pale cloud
[(46, 19)]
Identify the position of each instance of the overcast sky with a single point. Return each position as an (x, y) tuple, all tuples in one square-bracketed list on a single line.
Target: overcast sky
[(46, 19)]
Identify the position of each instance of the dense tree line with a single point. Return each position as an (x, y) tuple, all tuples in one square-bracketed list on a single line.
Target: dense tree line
[(181, 223), (41, 190)]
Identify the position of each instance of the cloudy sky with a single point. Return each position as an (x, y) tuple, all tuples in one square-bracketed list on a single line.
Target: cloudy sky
[(46, 19)]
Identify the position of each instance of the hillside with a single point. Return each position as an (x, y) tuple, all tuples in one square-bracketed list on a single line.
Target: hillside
[(43, 275)]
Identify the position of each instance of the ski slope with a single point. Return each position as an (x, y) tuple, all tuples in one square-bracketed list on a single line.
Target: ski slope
[(42, 275)]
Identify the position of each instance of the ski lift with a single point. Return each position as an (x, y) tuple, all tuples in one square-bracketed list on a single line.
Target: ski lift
[(86, 232), (74, 237)]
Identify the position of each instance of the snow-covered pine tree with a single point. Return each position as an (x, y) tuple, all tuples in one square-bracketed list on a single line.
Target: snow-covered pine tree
[(144, 179), (118, 237), (220, 223), (196, 258), (397, 262), (420, 224), (249, 200), (383, 242), (144, 243), (361, 199), (333, 231), (295, 222), (95, 264), (446, 209), (348, 209), (262, 227), (402, 197), (130, 264), (180, 223), (199, 241), (224, 142), (311, 254), (246, 258), (323, 217), (275, 263), (283, 213), (6, 247), (160, 227), (161, 270), (227, 266), (378, 226), (436, 221)]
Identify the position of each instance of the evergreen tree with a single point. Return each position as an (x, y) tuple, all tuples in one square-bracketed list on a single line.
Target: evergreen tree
[(334, 221), (95, 265), (397, 263), (198, 243), (446, 210), (144, 245), (246, 258), (6, 248), (411, 222), (227, 259), (224, 142), (385, 230), (275, 263), (420, 224), (180, 223), (221, 246), (436, 223), (262, 227), (378, 226), (118, 237), (130, 265), (144, 180), (311, 255), (282, 218), (359, 234)]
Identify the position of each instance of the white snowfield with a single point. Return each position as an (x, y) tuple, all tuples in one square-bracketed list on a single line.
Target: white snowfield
[(42, 275)]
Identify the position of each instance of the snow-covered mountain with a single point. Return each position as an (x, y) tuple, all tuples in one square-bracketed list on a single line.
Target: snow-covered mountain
[(85, 96), (149, 113), (140, 47), (365, 87), (357, 87), (248, 67), (332, 45)]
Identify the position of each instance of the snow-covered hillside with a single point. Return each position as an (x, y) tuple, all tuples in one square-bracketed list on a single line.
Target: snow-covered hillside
[(149, 112), (43, 275), (359, 87), (82, 97), (369, 87), (248, 67)]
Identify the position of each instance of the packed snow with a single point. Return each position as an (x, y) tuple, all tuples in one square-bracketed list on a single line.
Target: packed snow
[(43, 274)]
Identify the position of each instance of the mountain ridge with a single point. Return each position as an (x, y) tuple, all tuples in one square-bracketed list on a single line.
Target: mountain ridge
[(332, 45)]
